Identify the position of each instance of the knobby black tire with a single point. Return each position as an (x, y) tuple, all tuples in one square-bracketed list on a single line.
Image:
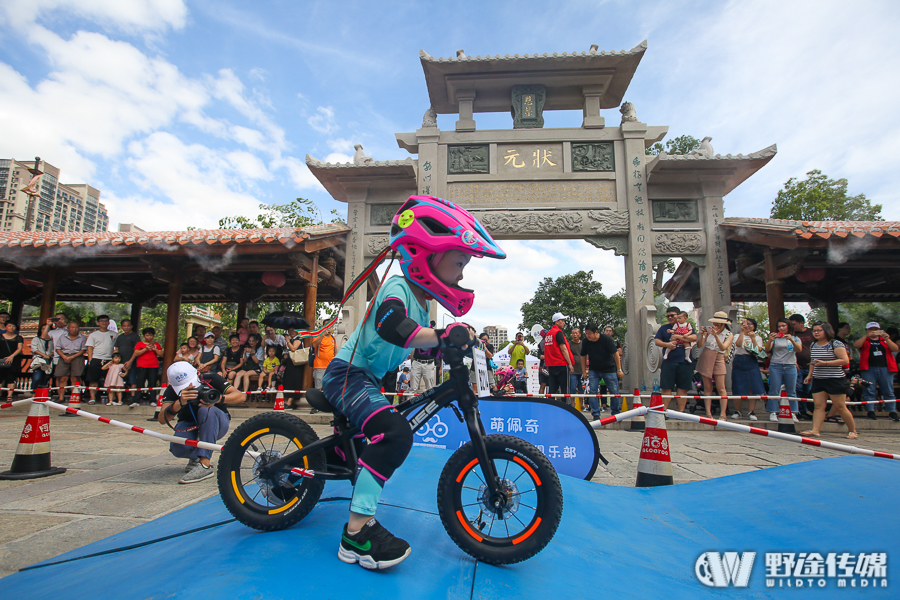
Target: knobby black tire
[(255, 510), (511, 545)]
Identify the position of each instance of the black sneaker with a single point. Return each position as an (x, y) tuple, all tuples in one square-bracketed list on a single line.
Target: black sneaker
[(373, 547), (871, 415), (893, 416)]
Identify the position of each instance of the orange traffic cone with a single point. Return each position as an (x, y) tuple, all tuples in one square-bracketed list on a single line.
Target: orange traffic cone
[(279, 398), (159, 403), (655, 464), (785, 417), (74, 401), (32, 458), (637, 423)]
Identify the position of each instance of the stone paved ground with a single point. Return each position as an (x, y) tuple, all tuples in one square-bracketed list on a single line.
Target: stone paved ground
[(117, 479)]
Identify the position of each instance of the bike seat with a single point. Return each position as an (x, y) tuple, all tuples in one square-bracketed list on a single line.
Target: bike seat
[(318, 400)]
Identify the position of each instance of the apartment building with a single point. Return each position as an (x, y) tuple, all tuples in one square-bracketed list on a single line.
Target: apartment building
[(56, 207)]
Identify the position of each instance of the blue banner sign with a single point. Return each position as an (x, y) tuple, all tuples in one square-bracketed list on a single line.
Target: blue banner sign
[(558, 430)]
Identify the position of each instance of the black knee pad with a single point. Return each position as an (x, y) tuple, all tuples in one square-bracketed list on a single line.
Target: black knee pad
[(390, 440)]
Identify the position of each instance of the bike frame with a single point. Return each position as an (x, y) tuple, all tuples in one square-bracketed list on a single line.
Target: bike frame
[(457, 388)]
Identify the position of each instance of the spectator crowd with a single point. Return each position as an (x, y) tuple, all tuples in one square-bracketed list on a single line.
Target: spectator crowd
[(123, 363)]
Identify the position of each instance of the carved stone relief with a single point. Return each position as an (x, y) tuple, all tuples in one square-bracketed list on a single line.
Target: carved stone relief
[(678, 243), (375, 244), (611, 221), (533, 222), (464, 160), (674, 211), (654, 356), (382, 214), (593, 157), (617, 244)]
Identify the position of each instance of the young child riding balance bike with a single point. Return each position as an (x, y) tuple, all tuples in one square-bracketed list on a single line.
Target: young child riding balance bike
[(435, 239)]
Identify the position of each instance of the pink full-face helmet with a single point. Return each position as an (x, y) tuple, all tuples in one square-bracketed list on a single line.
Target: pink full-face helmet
[(425, 226)]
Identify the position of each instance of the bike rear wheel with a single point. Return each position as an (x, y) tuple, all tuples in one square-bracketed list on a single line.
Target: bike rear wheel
[(255, 498), (506, 530)]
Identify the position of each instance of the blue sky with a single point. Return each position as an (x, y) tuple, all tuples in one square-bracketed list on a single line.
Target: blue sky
[(184, 112)]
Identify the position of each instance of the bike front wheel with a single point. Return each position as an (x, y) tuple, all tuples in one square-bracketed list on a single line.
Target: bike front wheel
[(514, 526), (255, 496)]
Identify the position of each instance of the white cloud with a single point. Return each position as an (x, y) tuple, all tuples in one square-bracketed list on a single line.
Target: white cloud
[(811, 77), (323, 121), (130, 16)]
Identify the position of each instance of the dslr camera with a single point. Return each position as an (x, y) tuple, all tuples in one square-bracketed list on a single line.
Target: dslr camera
[(207, 394)]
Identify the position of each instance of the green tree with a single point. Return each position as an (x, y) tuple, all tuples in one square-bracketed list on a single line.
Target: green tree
[(683, 144), (577, 296), (300, 212), (759, 312), (819, 198), (857, 314)]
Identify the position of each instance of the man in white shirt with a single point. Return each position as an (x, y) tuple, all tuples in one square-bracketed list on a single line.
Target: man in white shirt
[(99, 350), (60, 322)]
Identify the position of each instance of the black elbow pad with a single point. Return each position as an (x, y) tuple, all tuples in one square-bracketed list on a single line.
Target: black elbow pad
[(393, 325)]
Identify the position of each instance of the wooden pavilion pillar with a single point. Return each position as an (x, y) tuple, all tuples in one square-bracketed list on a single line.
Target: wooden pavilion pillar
[(173, 317), (774, 291), (831, 313), (241, 312), (136, 307), (48, 296), (15, 312), (309, 312)]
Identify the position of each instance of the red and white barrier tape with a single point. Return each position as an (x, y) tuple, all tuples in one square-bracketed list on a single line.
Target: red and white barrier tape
[(781, 436), (15, 403), (135, 428), (628, 414)]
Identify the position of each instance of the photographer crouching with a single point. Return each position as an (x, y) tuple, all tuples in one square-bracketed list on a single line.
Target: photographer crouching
[(200, 402)]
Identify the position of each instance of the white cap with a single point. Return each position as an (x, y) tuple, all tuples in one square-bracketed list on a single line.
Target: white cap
[(182, 374), (872, 325), (209, 334), (558, 316)]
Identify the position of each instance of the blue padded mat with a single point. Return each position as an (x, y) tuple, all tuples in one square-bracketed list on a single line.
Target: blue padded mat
[(636, 542)]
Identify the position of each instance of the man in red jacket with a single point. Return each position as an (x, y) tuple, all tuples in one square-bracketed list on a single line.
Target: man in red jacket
[(877, 366), (558, 356)]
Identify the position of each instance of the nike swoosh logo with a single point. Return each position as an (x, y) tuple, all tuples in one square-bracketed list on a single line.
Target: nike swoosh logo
[(364, 547)]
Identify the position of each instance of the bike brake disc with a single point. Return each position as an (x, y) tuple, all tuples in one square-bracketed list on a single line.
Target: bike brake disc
[(509, 507)]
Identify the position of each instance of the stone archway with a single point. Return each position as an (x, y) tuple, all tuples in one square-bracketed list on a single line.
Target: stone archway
[(592, 182)]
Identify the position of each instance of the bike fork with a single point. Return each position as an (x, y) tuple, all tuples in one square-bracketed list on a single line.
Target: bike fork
[(488, 469)]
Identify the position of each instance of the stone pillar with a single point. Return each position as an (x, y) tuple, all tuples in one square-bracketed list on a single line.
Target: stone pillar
[(592, 118), (137, 307), (173, 319), (354, 265), (309, 312), (715, 289), (466, 99), (774, 291), (48, 296), (431, 178), (638, 263)]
